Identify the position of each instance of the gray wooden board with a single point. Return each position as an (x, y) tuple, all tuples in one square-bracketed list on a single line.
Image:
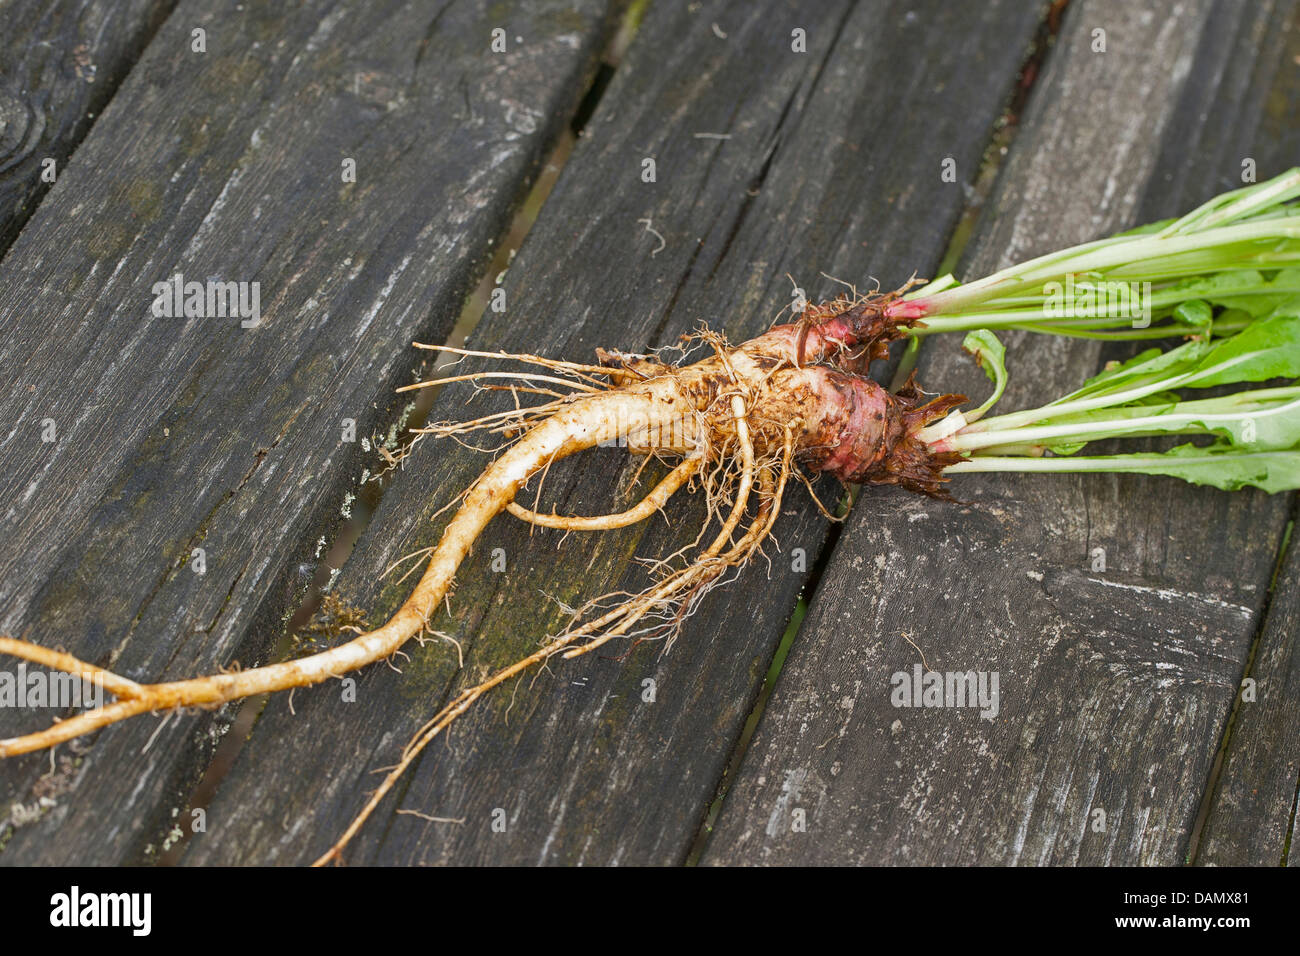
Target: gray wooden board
[(1252, 813), (59, 64), (1252, 809), (1115, 685), (821, 171), (177, 434)]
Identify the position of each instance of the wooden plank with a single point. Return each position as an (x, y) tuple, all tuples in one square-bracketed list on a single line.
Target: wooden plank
[(60, 63), (1251, 819), (1114, 684), (1252, 810), (175, 434), (768, 161)]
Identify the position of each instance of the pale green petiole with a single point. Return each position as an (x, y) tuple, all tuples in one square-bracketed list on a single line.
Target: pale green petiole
[(1271, 471), (1225, 246), (1226, 277), (1205, 417)]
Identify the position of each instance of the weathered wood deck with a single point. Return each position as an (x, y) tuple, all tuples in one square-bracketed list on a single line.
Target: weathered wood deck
[(1118, 686)]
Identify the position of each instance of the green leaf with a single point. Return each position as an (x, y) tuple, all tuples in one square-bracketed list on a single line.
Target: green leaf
[(1258, 420), (1065, 448), (1118, 376), (1218, 287), (1250, 229), (1273, 429), (1267, 348), (1286, 282), (990, 354), (1231, 321), (1196, 313), (1219, 466)]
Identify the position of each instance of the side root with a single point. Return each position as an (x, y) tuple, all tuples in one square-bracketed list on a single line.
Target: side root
[(682, 588), (648, 505)]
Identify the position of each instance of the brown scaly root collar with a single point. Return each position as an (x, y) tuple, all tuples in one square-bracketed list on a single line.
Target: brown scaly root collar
[(905, 459), (852, 428), (861, 327)]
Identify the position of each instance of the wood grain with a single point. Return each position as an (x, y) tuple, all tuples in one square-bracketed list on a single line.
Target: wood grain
[(1251, 819), (178, 434), (60, 62), (1115, 684), (768, 161)]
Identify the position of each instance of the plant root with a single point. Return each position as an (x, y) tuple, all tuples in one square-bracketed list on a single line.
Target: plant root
[(582, 424), (648, 505), (740, 418), (691, 580)]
